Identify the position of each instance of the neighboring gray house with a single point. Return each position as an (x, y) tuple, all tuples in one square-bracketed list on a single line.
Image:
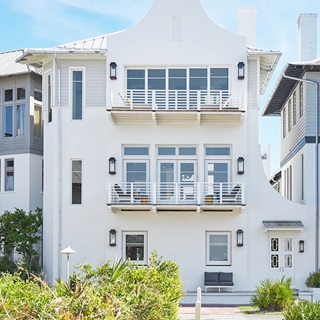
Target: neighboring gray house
[(296, 100), (21, 134)]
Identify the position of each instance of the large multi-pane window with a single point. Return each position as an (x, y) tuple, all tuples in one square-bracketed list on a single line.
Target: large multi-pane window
[(135, 247), (14, 112), (178, 79), (76, 182), (9, 175), (218, 248)]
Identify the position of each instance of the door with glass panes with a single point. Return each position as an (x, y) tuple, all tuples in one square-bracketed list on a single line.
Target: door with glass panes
[(281, 257), (177, 180), (217, 176)]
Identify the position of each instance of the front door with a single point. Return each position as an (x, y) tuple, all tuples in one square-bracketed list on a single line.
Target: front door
[(281, 256)]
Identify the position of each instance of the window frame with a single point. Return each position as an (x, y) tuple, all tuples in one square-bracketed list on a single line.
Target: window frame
[(229, 246), (145, 246), (8, 169), (301, 93), (22, 123), (188, 77), (48, 95), (71, 182), (83, 87), (37, 126)]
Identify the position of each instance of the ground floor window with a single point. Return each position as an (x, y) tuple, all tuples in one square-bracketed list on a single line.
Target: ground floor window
[(135, 247), (9, 175), (218, 248)]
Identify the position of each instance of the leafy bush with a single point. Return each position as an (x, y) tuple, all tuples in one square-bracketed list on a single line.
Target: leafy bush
[(121, 291), (20, 232), (301, 310), (273, 295), (7, 265), (313, 280)]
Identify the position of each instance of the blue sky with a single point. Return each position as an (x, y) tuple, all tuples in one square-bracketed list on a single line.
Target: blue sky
[(47, 23)]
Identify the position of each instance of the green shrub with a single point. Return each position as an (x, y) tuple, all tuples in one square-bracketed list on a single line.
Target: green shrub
[(7, 265), (301, 310), (273, 295), (313, 280), (121, 291)]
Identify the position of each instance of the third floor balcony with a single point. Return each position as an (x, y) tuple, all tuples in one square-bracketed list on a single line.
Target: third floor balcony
[(176, 105)]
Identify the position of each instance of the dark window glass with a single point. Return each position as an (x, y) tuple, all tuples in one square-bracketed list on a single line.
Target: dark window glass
[(217, 151), (8, 95), (76, 182), (77, 95), (21, 93)]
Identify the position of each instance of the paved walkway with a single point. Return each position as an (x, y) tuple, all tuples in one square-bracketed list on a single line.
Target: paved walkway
[(225, 313)]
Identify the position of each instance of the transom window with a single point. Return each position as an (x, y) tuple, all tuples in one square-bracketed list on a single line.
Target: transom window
[(135, 247), (218, 248), (177, 151)]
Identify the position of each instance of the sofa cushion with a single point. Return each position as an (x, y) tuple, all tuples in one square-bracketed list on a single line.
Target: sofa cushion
[(211, 278), (226, 277)]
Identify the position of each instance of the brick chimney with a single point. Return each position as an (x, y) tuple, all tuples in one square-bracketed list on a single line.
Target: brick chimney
[(307, 36), (247, 24)]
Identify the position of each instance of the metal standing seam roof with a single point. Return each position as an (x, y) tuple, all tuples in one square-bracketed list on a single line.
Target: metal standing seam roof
[(283, 225), (9, 66), (284, 86)]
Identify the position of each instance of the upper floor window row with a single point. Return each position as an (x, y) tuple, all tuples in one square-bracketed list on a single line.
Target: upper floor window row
[(11, 94), (178, 79)]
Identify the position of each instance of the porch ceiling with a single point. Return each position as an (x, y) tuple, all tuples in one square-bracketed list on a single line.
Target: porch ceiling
[(134, 208), (169, 116)]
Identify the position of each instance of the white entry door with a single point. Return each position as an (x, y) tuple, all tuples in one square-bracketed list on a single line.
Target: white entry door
[(281, 256)]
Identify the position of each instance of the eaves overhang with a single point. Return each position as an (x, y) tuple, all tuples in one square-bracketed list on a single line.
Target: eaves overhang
[(284, 86), (268, 62), (35, 57), (283, 225)]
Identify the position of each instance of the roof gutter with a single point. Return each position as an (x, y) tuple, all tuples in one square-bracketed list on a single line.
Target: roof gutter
[(316, 84)]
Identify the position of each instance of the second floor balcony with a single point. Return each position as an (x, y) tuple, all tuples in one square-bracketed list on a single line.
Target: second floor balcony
[(197, 197), (170, 105)]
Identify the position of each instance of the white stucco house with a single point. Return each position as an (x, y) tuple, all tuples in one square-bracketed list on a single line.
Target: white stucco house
[(21, 134), (151, 143)]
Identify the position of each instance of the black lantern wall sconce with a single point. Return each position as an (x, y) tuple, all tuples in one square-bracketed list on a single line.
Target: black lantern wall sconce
[(239, 238), (241, 70), (240, 162), (301, 246), (112, 238), (112, 165), (113, 71)]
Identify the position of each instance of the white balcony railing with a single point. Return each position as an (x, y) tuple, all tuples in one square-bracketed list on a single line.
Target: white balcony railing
[(199, 193), (177, 99)]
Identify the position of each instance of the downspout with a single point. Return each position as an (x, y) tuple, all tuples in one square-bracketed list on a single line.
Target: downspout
[(59, 172), (316, 84)]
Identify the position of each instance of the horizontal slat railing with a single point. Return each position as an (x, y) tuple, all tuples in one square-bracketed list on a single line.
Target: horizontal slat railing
[(177, 99), (199, 193)]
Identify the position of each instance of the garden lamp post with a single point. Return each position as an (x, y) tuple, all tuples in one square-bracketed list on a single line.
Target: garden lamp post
[(67, 251)]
